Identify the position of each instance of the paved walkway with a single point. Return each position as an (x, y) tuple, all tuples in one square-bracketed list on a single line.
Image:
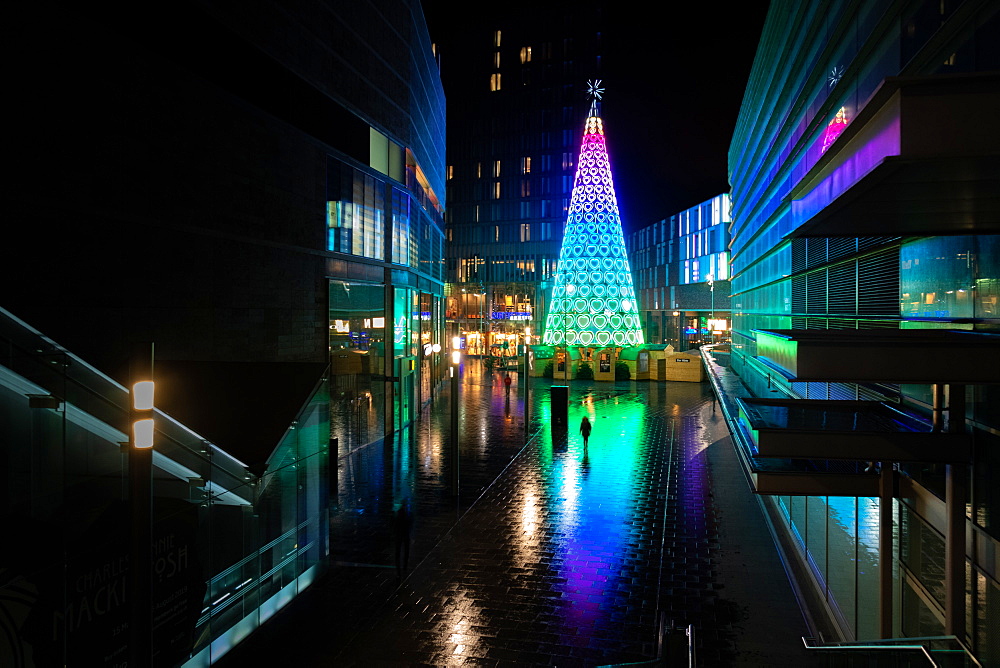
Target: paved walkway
[(567, 559)]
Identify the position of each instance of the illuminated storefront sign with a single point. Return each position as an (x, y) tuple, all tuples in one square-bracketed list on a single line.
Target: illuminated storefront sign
[(511, 315)]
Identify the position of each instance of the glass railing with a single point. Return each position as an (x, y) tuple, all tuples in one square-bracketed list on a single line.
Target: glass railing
[(940, 651), (229, 548)]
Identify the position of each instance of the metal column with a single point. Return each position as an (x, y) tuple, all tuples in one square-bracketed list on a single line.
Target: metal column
[(956, 493), (886, 493)]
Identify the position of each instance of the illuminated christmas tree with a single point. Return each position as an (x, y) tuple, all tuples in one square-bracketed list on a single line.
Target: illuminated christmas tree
[(593, 301)]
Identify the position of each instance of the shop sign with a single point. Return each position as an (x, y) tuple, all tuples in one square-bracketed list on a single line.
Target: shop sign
[(511, 315)]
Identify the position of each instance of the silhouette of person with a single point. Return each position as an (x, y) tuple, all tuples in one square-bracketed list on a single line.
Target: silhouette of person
[(506, 382), (585, 429)]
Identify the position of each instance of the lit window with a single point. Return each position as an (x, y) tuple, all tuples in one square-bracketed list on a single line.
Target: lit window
[(496, 190), (525, 231), (525, 54), (496, 233), (525, 187), (451, 171), (496, 39), (479, 170), (496, 168), (496, 60), (495, 82), (526, 165)]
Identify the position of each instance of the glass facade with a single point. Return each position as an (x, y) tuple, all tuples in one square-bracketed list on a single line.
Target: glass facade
[(795, 265), (229, 547), (681, 270), (512, 157)]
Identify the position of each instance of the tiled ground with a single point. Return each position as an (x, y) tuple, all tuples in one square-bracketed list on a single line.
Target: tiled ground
[(568, 558)]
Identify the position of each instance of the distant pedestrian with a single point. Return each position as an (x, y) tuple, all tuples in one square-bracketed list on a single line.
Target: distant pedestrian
[(506, 382), (585, 429), (401, 530)]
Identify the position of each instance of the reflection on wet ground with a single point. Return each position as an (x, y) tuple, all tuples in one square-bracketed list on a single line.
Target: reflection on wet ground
[(551, 553)]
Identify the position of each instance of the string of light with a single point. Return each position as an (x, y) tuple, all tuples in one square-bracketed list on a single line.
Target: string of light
[(593, 300)]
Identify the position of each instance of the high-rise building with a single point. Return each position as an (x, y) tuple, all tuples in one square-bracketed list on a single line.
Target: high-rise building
[(520, 86), (865, 256), (258, 192)]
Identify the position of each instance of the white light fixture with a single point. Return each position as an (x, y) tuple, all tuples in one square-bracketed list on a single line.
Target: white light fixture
[(142, 433), (142, 395)]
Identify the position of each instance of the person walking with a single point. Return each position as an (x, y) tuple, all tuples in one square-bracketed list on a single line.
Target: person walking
[(585, 429), (506, 382)]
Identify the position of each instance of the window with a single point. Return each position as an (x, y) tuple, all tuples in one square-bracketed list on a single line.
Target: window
[(567, 161), (451, 172), (526, 232), (525, 54), (496, 39), (525, 187), (496, 60), (496, 233), (496, 168), (495, 82), (496, 190), (526, 165), (479, 170)]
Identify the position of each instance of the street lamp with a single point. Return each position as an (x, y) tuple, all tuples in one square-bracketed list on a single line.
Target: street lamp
[(140, 473), (456, 360), (711, 287), (527, 339)]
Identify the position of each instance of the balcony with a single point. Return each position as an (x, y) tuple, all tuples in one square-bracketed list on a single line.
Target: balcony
[(891, 356)]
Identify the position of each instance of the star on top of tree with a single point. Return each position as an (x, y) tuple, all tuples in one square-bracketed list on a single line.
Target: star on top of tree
[(594, 89)]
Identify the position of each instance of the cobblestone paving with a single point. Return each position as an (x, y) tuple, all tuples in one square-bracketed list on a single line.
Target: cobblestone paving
[(567, 559)]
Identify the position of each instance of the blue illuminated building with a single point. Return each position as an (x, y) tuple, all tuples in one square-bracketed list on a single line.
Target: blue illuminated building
[(866, 271), (259, 192), (681, 270)]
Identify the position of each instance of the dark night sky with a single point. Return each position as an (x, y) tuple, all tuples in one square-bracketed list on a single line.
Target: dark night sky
[(674, 77)]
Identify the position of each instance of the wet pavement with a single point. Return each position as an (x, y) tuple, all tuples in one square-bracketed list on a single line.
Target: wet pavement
[(552, 553)]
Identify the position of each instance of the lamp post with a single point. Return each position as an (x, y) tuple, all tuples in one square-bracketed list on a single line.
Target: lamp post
[(140, 473), (527, 339), (456, 360), (711, 288)]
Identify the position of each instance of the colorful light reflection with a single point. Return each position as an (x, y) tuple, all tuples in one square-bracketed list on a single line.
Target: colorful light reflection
[(592, 497), (593, 301)]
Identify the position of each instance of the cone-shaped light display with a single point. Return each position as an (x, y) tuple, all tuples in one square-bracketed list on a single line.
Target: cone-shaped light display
[(593, 301)]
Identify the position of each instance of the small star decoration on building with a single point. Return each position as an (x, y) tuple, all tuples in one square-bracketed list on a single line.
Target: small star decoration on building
[(835, 74)]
